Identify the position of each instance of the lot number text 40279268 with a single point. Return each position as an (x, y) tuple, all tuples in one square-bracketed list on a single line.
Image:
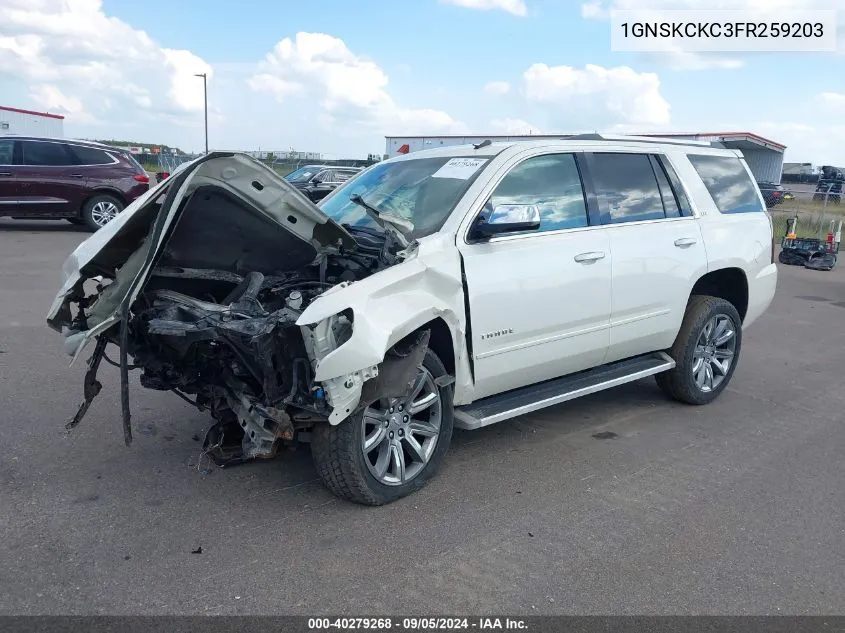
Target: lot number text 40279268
[(417, 624)]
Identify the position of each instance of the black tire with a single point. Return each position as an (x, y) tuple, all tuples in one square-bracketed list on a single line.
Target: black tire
[(75, 221), (339, 458), (89, 215), (678, 383)]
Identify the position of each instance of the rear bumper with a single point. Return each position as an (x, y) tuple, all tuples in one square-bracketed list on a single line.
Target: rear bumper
[(761, 291), (137, 191)]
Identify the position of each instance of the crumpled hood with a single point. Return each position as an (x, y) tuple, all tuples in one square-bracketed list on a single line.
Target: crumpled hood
[(225, 210)]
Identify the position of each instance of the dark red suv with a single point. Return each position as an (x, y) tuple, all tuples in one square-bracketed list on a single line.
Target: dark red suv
[(83, 182)]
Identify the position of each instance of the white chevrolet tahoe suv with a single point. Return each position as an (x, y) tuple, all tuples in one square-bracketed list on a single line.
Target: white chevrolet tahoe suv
[(455, 287)]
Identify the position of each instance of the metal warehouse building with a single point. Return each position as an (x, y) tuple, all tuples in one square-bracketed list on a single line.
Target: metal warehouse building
[(30, 123), (764, 157)]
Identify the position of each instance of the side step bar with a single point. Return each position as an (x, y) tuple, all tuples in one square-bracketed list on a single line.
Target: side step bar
[(546, 394)]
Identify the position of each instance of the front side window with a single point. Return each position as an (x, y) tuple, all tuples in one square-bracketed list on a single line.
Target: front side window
[(728, 182), (421, 190), (551, 182), (626, 187), (7, 151), (44, 154)]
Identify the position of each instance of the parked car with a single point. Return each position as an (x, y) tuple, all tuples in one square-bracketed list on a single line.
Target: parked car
[(456, 287), (318, 181), (774, 194), (829, 185), (83, 182)]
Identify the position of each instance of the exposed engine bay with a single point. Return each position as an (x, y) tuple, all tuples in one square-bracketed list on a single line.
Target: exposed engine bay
[(215, 320)]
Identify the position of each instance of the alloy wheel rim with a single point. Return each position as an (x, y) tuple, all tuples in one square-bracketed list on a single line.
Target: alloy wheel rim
[(400, 434), (103, 212), (714, 353)]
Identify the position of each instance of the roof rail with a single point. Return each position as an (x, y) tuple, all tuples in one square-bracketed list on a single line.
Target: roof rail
[(641, 139)]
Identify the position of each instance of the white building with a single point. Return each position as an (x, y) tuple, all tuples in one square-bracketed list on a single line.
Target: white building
[(30, 123), (764, 157)]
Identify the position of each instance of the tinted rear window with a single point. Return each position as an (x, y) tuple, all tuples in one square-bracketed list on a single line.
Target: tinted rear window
[(728, 182), (626, 187), (46, 154), (7, 152), (91, 155)]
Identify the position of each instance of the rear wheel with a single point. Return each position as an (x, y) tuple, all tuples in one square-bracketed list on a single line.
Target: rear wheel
[(391, 448), (100, 210), (706, 351)]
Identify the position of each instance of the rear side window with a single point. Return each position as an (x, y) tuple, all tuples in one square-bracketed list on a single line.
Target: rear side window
[(677, 188), (129, 158), (553, 183), (670, 203), (46, 154), (626, 187), (90, 155), (728, 182), (7, 151)]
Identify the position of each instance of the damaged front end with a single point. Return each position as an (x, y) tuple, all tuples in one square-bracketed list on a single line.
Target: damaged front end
[(201, 287)]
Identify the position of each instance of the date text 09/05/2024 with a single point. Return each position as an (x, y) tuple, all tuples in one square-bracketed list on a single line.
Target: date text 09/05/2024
[(417, 624)]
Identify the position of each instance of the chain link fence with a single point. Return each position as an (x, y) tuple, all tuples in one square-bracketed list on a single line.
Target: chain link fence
[(818, 209)]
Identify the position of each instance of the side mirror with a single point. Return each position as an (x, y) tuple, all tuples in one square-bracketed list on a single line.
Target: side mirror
[(508, 218)]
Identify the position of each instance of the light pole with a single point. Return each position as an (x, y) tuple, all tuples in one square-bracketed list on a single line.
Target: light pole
[(205, 104)]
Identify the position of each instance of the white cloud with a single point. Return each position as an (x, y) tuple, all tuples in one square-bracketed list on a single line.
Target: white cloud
[(817, 143), (594, 11), (50, 98), (79, 60), (515, 127), (497, 88), (771, 7), (350, 89), (515, 7), (598, 95), (833, 99), (678, 59)]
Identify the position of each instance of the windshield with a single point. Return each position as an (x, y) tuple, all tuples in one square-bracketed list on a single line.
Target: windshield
[(423, 190), (303, 174)]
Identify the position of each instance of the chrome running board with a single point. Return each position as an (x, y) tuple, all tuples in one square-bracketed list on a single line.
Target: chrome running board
[(546, 394)]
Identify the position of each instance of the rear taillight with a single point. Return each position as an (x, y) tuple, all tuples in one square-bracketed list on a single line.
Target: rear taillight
[(141, 177), (777, 194)]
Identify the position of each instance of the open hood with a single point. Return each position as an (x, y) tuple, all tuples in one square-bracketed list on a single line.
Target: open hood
[(226, 212)]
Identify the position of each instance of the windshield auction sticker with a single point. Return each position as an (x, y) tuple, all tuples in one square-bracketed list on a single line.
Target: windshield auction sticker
[(459, 168)]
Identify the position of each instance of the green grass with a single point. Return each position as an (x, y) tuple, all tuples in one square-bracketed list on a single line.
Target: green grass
[(809, 224)]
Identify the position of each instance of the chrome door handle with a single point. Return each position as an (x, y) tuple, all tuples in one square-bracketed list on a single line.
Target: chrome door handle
[(5, 173), (685, 241), (589, 257), (76, 176)]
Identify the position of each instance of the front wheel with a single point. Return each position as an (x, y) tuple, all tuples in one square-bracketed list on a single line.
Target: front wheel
[(391, 448), (706, 351)]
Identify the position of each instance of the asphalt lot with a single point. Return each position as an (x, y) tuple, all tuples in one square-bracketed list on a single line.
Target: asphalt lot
[(733, 508)]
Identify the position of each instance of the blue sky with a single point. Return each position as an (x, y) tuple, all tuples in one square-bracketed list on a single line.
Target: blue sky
[(352, 72)]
